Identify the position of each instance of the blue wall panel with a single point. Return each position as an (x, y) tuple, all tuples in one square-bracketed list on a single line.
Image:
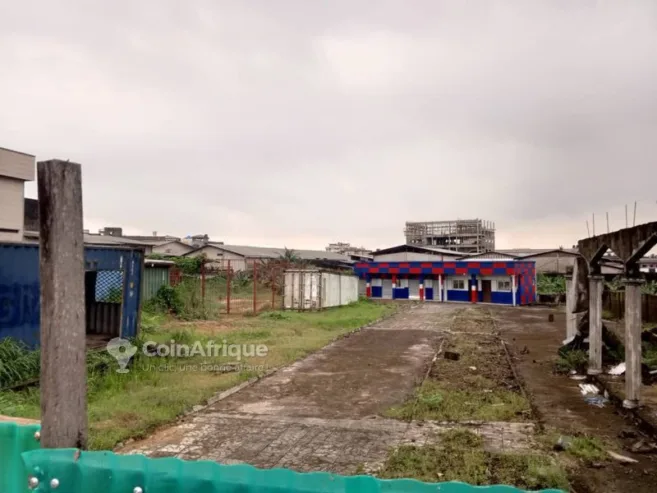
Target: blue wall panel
[(400, 293), (502, 297), (457, 295), (428, 293), (377, 292), (19, 293)]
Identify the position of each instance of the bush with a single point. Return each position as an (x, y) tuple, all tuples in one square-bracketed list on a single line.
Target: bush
[(551, 284), (572, 360), (168, 299)]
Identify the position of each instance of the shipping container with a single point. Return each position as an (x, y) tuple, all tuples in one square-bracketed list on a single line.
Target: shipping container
[(112, 292), (314, 289)]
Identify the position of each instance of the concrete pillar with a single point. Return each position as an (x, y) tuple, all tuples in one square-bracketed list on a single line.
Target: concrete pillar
[(474, 294), (443, 285), (633, 328), (571, 318), (596, 285), (514, 290), (421, 288)]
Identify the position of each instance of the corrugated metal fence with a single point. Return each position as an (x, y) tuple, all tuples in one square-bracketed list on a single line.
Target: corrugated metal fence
[(154, 278), (614, 302)]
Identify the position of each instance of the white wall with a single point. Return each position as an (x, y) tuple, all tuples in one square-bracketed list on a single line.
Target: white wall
[(494, 280), (219, 258), (413, 257), (12, 205), (174, 248), (16, 165)]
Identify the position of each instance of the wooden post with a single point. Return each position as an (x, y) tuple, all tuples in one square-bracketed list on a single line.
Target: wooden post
[(255, 290), (203, 281), (63, 325), (228, 281)]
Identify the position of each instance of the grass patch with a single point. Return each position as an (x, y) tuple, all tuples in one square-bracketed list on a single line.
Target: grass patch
[(460, 457), (585, 448), (157, 390), (572, 360), (588, 449), (18, 363), (432, 401)]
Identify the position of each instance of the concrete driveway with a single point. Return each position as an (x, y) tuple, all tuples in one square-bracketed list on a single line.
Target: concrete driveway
[(323, 412)]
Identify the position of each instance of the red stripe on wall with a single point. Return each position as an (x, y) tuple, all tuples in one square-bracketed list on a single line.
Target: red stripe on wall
[(404, 265), (393, 270), (426, 265), (510, 271), (415, 270), (374, 270), (461, 271), (437, 270), (473, 265), (486, 272), (499, 265)]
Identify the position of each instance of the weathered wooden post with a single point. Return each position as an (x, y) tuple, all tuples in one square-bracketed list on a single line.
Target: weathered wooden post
[(63, 324), (255, 290), (228, 281)]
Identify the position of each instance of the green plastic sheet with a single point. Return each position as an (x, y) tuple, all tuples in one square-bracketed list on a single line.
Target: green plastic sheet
[(75, 471)]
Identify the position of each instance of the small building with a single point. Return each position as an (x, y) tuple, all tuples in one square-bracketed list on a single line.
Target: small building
[(406, 252), (241, 257), (548, 261), (507, 282), (174, 248)]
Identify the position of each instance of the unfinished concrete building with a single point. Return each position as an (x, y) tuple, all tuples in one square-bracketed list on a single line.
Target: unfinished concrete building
[(463, 235), (585, 288)]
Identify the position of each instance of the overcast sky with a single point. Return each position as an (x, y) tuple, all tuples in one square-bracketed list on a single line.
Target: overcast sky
[(298, 122)]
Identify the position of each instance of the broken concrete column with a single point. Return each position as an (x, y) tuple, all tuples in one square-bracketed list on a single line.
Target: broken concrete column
[(633, 326), (596, 285), (571, 318)]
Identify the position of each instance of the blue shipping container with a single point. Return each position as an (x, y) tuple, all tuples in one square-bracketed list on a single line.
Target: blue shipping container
[(112, 285)]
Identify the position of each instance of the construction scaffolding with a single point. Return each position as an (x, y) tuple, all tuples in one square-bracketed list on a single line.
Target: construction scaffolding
[(463, 235)]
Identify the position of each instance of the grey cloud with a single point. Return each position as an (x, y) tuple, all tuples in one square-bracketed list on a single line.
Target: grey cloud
[(308, 121)]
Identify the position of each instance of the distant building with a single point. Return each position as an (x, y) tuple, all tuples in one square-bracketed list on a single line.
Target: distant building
[(468, 236), (241, 257), (15, 169), (347, 249)]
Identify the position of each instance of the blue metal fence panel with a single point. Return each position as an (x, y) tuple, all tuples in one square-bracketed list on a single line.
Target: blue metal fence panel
[(20, 295), (19, 292)]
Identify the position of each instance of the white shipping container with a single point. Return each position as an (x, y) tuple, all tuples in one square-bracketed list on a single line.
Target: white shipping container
[(310, 289)]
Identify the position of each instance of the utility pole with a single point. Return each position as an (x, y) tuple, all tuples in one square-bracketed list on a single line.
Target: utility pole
[(63, 320)]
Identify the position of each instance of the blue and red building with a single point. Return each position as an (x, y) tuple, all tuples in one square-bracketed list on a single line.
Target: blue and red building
[(506, 282)]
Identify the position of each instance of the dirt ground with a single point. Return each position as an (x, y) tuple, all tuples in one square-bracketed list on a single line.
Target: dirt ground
[(557, 400), (324, 412)]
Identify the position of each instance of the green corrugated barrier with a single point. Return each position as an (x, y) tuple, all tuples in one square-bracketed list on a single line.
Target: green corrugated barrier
[(14, 440), (72, 471)]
